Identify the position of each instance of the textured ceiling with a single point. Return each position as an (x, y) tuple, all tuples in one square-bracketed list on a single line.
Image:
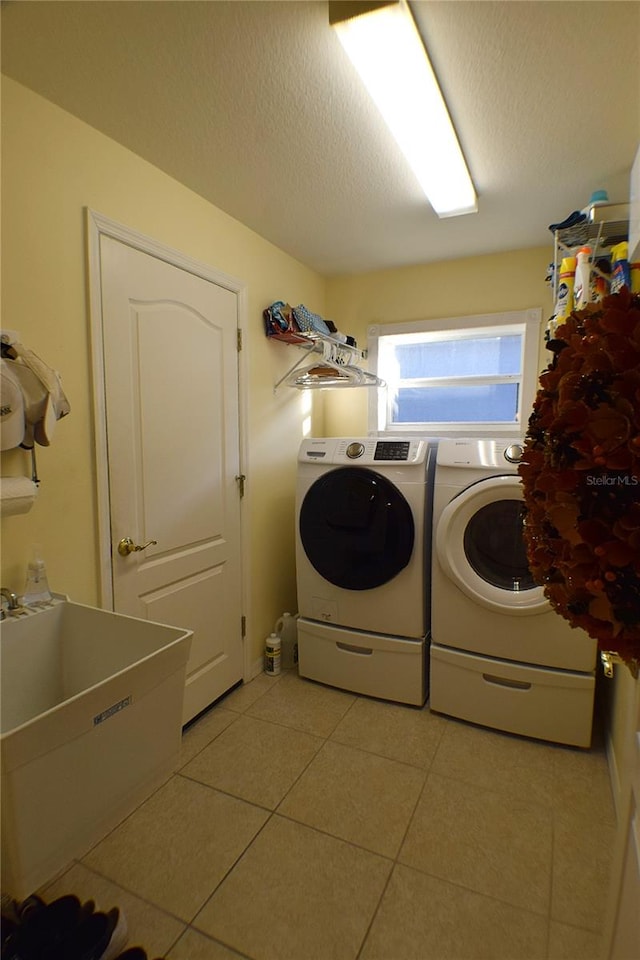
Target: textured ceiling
[(254, 106)]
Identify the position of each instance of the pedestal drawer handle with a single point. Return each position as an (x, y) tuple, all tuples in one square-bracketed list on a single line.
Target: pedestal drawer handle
[(363, 651), (504, 682)]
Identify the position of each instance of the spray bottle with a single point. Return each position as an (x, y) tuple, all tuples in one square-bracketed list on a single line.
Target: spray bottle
[(582, 287)]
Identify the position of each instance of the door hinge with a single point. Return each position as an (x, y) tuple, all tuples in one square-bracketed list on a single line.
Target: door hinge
[(239, 331), (240, 479), (243, 626)]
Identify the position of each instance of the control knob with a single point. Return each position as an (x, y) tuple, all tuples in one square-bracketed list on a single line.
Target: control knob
[(514, 453), (355, 450)]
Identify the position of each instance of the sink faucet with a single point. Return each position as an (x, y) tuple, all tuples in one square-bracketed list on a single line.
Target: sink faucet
[(11, 598)]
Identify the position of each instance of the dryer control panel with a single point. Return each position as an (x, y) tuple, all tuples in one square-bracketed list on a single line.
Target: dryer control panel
[(480, 453), (364, 450)]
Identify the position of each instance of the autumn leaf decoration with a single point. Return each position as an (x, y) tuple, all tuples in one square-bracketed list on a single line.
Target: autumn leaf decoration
[(581, 475)]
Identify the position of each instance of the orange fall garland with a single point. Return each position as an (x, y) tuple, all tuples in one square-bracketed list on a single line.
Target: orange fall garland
[(581, 475)]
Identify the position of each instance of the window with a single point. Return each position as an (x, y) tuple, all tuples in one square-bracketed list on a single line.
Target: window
[(460, 376)]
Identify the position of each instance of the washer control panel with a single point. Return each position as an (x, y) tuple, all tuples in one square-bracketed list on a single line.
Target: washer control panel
[(365, 450), (392, 450)]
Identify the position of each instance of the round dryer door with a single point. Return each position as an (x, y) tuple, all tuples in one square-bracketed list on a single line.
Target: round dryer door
[(480, 547), (356, 528)]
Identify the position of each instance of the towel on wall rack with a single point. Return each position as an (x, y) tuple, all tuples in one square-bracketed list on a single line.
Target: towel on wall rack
[(43, 399), (11, 409)]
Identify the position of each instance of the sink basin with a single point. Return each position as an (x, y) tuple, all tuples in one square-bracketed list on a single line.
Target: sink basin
[(90, 724)]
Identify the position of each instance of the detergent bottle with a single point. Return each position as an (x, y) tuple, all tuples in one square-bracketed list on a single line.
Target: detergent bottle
[(272, 655), (564, 299), (287, 629), (620, 273)]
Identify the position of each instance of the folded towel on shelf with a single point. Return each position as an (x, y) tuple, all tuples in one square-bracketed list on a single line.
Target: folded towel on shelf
[(571, 221), (310, 322), (278, 318)]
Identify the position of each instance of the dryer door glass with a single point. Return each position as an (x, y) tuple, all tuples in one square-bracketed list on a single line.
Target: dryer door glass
[(356, 528), (494, 546)]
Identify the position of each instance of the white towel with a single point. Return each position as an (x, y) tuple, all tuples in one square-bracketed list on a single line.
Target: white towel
[(17, 495)]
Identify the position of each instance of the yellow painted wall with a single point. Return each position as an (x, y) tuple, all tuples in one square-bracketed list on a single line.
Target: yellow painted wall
[(53, 166), (459, 288)]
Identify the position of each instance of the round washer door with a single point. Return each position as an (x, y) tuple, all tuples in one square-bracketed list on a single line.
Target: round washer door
[(356, 528), (480, 547)]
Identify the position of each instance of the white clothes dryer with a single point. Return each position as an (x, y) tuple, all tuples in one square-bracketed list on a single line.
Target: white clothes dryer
[(363, 542), (500, 655)]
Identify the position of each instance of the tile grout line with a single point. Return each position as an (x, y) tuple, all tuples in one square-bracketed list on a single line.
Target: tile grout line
[(272, 812), (395, 859), (235, 863)]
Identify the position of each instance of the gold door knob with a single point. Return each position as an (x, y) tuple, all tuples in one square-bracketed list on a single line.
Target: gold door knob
[(127, 546)]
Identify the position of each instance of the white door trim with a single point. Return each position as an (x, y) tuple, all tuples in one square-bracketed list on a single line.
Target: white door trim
[(98, 225)]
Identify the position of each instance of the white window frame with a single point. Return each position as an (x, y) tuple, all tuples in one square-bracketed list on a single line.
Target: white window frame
[(527, 322)]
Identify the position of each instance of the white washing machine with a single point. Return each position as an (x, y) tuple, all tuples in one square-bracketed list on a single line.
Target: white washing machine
[(363, 542), (500, 655)]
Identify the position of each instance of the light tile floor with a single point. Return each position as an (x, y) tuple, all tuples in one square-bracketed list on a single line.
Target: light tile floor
[(307, 823)]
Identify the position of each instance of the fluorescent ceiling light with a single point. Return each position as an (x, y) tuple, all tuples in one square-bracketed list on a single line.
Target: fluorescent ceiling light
[(388, 53)]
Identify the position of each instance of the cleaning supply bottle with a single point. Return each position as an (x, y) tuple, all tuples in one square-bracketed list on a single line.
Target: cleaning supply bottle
[(564, 299), (287, 629), (37, 587), (272, 655), (620, 274), (582, 286)]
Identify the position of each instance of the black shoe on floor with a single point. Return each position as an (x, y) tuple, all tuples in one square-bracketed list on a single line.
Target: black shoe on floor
[(100, 936), (42, 928)]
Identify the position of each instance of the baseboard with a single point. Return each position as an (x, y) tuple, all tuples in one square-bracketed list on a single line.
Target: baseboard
[(257, 667), (614, 775)]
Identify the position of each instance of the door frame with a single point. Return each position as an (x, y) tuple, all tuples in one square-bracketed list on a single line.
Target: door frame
[(97, 226)]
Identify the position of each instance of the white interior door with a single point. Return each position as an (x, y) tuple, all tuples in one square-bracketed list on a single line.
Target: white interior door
[(171, 392)]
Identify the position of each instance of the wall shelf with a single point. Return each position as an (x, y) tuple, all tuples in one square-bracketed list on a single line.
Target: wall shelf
[(337, 365), (600, 235)]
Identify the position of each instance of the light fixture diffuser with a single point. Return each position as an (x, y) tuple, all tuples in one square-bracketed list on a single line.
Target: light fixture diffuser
[(388, 53)]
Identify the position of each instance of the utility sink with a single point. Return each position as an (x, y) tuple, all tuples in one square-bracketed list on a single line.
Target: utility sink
[(90, 724)]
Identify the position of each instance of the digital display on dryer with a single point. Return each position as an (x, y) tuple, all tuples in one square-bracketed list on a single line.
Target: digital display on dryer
[(392, 450)]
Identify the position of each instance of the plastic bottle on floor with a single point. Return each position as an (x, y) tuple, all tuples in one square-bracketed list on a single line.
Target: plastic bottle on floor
[(272, 655), (287, 630)]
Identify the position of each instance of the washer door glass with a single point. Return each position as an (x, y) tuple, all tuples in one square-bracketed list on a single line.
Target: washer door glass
[(494, 547), (480, 546), (356, 528)]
